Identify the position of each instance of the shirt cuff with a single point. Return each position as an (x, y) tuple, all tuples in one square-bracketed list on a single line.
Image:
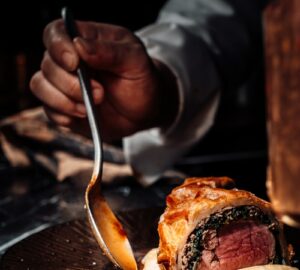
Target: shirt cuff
[(153, 151), (150, 152)]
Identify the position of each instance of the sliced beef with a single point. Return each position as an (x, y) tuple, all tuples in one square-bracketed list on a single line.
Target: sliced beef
[(232, 239), (240, 244)]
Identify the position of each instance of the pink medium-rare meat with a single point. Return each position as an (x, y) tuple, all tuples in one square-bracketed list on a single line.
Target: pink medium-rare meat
[(238, 245)]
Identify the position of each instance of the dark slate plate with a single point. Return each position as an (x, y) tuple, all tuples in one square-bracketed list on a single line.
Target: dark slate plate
[(71, 245)]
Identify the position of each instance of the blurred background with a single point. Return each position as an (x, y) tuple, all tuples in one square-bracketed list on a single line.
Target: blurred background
[(21, 46), (31, 199), (240, 125)]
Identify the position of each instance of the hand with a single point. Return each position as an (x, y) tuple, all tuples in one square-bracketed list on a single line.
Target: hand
[(132, 92)]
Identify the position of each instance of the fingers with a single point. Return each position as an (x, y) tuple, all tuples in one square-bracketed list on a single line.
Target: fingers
[(60, 79), (53, 98), (113, 54), (66, 82), (102, 46), (77, 125), (59, 45), (58, 118)]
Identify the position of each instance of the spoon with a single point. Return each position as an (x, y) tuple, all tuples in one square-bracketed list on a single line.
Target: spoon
[(106, 228)]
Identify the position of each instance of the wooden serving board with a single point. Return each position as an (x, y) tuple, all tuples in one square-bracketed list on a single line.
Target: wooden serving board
[(71, 245)]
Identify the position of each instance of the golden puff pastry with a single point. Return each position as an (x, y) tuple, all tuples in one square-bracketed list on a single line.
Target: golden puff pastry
[(208, 224)]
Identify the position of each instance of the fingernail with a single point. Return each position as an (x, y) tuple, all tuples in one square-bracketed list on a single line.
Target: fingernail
[(97, 94), (80, 108), (68, 60), (87, 46)]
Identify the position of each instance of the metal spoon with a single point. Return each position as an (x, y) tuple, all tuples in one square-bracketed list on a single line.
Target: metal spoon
[(107, 229)]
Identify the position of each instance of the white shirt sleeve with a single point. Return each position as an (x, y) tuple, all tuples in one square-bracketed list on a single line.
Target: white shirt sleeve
[(183, 39)]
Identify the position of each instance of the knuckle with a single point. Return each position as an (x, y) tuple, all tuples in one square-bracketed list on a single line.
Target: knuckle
[(50, 30), (56, 44), (45, 63), (35, 81), (46, 32), (73, 88), (64, 106)]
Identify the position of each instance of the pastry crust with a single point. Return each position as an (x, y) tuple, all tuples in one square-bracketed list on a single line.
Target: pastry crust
[(193, 201)]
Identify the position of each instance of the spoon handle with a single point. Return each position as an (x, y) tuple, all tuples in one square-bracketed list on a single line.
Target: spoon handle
[(86, 89)]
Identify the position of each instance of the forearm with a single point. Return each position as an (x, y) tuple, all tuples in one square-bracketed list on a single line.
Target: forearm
[(210, 47)]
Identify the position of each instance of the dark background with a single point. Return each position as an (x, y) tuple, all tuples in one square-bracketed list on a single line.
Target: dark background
[(236, 146), (21, 47)]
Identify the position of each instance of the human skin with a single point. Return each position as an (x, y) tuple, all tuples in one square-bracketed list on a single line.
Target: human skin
[(131, 91)]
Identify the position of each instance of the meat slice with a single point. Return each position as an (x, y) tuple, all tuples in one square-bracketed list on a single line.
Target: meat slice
[(240, 244)]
